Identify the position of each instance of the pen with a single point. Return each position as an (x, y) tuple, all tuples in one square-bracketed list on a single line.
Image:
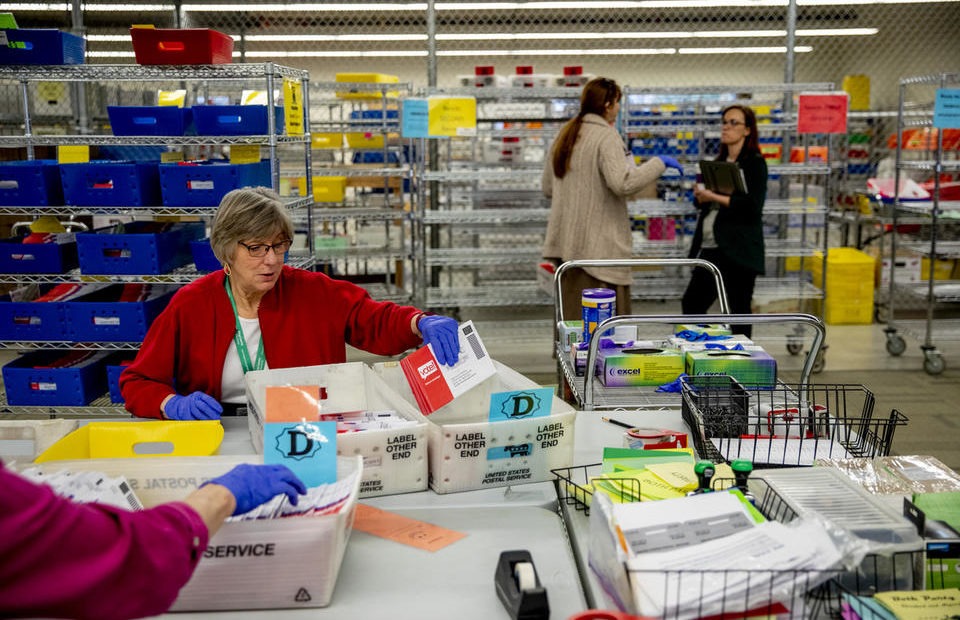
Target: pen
[(617, 422)]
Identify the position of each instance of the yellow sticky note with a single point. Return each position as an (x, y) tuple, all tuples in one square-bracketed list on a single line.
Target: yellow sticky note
[(73, 154), (681, 476), (293, 107), (245, 153), (451, 116), (172, 97)]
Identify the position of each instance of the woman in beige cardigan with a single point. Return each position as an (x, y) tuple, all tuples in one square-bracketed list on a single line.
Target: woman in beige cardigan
[(588, 177)]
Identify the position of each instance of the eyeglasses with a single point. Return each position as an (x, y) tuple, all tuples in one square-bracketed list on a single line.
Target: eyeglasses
[(259, 250), (731, 122)]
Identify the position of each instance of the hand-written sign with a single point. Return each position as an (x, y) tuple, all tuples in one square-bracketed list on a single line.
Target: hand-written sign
[(439, 117), (822, 113), (946, 109)]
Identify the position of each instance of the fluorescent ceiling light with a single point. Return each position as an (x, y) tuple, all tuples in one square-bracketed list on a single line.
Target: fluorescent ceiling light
[(333, 38), (800, 49), (560, 52), (702, 34), (306, 7), (334, 54), (86, 6)]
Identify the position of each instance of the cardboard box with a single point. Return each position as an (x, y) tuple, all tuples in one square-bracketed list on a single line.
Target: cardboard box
[(305, 552), (394, 460), (468, 452)]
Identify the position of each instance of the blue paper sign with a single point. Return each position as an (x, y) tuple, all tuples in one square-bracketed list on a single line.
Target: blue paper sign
[(521, 404), (307, 448), (415, 118), (946, 109)]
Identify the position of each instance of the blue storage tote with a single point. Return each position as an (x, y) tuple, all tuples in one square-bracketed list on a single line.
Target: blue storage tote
[(58, 256), (116, 313), (48, 378), (157, 120), (137, 248), (235, 120), (30, 183), (204, 184), (27, 319), (42, 46), (115, 366), (203, 257), (111, 183)]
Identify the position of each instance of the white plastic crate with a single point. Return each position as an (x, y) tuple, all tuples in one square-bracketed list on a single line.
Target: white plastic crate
[(478, 454), (394, 460), (306, 553)]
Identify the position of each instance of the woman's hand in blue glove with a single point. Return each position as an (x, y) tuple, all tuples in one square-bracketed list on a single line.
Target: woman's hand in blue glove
[(253, 485), (671, 162), (444, 334), (196, 406)]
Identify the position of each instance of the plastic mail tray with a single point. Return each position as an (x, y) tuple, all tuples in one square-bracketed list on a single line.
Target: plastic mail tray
[(137, 248), (30, 183), (46, 378), (58, 256), (235, 120), (204, 184), (203, 257), (159, 120), (111, 183), (116, 313), (41, 46), (181, 46)]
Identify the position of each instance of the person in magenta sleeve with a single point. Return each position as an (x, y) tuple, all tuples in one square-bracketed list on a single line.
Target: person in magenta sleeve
[(259, 313), (61, 559)]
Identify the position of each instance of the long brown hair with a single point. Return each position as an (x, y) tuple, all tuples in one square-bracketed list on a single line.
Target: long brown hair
[(597, 95), (751, 144)]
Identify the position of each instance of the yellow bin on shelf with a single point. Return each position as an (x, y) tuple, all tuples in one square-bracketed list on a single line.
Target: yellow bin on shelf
[(325, 189), (374, 78), (849, 286)]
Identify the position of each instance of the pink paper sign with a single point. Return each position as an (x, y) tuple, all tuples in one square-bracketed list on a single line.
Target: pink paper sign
[(822, 113)]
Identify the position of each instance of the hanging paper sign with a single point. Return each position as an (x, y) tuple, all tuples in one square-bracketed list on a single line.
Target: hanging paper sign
[(826, 113), (73, 154), (452, 116), (946, 109), (293, 107), (414, 122)]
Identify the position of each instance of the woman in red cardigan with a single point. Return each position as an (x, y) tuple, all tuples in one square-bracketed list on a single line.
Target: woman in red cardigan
[(259, 313)]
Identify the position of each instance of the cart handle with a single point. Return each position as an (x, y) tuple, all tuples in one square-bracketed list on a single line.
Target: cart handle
[(638, 262), (677, 319)]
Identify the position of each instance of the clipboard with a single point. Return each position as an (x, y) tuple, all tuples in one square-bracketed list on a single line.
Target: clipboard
[(723, 177)]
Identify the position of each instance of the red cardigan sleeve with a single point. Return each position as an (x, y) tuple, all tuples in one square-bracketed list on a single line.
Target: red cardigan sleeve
[(70, 560)]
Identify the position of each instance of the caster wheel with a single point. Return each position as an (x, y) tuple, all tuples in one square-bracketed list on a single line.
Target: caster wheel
[(895, 345), (818, 364), (881, 314), (794, 348), (933, 363)]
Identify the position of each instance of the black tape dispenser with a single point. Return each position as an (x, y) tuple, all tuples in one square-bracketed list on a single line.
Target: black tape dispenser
[(519, 588)]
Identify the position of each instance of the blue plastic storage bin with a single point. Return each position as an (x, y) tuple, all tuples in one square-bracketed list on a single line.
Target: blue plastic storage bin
[(28, 321), (104, 316), (203, 257), (48, 378), (204, 184), (42, 46), (375, 157), (161, 120), (137, 248), (235, 120), (111, 183), (30, 183), (57, 257), (115, 366)]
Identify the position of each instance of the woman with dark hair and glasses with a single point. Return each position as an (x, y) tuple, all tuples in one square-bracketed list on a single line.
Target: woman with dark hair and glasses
[(259, 313), (729, 230), (588, 177)]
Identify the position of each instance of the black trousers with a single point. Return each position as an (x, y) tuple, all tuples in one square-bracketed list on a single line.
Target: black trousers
[(702, 291)]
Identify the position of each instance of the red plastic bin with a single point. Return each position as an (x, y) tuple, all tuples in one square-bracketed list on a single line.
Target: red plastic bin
[(181, 46)]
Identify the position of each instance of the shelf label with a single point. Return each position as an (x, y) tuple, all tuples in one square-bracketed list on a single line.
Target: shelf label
[(73, 154), (825, 113), (439, 117), (946, 109), (293, 107)]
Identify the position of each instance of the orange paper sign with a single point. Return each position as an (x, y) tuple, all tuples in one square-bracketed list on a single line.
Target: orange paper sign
[(392, 526)]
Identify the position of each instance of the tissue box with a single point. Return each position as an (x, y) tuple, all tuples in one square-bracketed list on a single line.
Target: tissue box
[(752, 367), (638, 365)]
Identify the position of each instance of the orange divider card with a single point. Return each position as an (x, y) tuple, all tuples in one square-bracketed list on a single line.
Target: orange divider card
[(392, 526), (292, 403)]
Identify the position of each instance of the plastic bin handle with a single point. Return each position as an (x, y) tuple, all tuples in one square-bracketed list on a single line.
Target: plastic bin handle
[(229, 119), (144, 120), (171, 46), (9, 184)]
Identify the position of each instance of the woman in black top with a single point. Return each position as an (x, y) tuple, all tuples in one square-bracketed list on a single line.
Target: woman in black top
[(729, 230)]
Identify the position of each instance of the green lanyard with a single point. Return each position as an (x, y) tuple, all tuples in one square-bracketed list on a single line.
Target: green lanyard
[(242, 351)]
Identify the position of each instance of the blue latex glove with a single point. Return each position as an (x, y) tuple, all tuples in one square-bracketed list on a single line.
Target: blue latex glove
[(671, 162), (253, 485), (673, 386), (444, 334), (196, 406)]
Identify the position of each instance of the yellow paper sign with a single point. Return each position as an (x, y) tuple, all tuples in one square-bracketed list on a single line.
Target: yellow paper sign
[(452, 116), (170, 157), (172, 97), (73, 154), (293, 107), (52, 92), (245, 154)]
